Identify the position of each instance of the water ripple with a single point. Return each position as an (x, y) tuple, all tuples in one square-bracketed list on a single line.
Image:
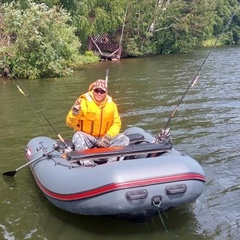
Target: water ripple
[(147, 90)]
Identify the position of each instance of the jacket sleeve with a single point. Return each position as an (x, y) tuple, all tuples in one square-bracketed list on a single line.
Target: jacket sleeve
[(71, 120), (116, 126)]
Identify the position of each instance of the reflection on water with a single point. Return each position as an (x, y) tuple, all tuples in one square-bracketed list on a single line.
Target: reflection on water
[(206, 126)]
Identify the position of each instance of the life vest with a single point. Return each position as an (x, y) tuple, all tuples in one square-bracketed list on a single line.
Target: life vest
[(95, 119)]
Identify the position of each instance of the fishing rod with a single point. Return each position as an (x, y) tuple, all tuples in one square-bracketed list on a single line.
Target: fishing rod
[(106, 79), (196, 76), (26, 94)]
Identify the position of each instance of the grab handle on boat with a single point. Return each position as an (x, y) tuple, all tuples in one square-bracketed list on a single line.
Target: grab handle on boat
[(137, 194), (176, 189)]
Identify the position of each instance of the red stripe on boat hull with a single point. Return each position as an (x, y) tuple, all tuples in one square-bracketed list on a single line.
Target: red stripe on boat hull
[(118, 186)]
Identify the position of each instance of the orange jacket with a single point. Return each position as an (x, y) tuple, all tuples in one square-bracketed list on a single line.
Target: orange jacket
[(95, 119)]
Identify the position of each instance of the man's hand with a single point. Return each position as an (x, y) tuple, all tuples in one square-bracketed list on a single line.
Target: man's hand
[(104, 141), (76, 108)]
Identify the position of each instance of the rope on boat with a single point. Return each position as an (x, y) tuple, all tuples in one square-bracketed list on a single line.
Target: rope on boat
[(158, 205)]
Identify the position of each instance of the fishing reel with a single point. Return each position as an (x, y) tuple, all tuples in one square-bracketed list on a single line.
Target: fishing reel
[(164, 136), (63, 147)]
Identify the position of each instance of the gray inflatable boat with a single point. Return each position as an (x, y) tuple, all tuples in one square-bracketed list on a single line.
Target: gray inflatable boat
[(147, 178)]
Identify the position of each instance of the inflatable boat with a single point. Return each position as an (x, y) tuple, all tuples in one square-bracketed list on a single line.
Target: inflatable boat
[(147, 176)]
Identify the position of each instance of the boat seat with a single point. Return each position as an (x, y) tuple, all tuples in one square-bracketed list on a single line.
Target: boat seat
[(102, 153), (135, 138)]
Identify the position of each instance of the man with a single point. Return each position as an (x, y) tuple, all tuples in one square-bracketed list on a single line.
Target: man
[(95, 119)]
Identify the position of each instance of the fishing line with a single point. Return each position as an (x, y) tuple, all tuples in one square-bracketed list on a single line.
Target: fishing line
[(29, 102), (26, 94), (196, 76)]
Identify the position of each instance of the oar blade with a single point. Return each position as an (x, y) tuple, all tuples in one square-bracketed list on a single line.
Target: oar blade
[(10, 173)]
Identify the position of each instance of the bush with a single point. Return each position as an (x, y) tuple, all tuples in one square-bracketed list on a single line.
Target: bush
[(42, 43)]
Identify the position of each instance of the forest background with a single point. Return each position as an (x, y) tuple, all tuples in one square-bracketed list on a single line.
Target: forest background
[(49, 38)]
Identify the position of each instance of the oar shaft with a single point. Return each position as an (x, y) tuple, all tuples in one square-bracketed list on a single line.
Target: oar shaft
[(34, 160), (12, 173)]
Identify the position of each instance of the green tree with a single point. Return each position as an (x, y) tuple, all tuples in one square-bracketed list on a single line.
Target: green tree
[(168, 26), (91, 17), (225, 11), (178, 26), (40, 42), (150, 27)]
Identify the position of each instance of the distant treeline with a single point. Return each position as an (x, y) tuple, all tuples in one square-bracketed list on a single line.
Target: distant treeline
[(49, 37)]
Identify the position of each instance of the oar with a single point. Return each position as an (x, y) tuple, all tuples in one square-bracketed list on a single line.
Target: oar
[(12, 173)]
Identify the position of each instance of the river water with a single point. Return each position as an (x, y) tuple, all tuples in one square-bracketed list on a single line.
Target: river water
[(206, 127)]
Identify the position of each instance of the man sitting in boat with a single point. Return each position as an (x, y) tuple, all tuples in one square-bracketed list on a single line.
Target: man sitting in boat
[(95, 119)]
